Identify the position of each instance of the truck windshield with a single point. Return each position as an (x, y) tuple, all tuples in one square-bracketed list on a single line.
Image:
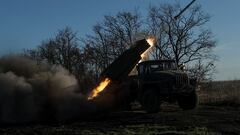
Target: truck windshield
[(162, 66), (156, 67)]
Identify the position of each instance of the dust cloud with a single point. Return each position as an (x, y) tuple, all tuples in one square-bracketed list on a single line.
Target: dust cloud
[(31, 92)]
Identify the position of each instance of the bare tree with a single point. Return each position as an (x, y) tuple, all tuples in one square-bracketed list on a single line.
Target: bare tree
[(68, 53), (32, 54), (183, 39), (64, 49), (47, 51), (203, 71), (112, 37)]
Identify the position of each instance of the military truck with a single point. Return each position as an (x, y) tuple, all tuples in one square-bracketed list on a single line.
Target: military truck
[(161, 81), (156, 81)]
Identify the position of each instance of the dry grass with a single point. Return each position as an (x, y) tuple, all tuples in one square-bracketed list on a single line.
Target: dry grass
[(220, 93)]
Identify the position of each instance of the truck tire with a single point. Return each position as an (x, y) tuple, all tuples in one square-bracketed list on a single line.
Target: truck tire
[(150, 101), (188, 102)]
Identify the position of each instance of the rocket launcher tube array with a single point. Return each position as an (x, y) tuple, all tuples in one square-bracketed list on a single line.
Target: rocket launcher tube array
[(123, 65)]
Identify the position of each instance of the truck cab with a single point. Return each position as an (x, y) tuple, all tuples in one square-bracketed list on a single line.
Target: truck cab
[(163, 81), (154, 66)]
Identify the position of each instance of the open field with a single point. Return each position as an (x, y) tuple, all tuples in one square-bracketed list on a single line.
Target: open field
[(220, 93), (218, 113), (207, 120)]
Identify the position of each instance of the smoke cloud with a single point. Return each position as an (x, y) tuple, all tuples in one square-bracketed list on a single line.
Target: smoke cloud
[(31, 92)]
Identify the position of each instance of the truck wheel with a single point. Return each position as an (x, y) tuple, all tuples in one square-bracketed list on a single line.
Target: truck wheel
[(150, 102), (188, 102)]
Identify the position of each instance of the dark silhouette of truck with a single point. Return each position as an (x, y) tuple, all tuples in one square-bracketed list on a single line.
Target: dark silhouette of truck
[(163, 81), (157, 81)]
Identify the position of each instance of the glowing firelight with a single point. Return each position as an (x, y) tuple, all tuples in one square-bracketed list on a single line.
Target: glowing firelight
[(99, 88), (151, 42)]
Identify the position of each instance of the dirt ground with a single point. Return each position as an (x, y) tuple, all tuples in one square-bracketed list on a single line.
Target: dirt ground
[(171, 120)]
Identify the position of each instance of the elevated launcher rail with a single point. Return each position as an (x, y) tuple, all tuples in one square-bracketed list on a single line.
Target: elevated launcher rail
[(124, 64)]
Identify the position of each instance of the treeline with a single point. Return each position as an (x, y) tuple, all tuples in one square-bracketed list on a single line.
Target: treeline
[(184, 39)]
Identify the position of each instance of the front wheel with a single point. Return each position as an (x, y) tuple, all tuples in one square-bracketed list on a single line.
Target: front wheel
[(150, 101), (189, 101)]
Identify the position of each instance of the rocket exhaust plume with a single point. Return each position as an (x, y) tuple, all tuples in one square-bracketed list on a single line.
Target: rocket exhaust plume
[(103, 84), (31, 92), (151, 41)]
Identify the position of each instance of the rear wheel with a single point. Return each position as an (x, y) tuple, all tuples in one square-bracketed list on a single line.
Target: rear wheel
[(188, 102), (150, 101)]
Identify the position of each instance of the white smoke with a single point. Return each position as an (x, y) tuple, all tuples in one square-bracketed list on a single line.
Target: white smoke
[(32, 92)]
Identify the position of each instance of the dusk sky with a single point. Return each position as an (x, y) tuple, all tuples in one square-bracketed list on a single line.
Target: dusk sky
[(25, 23)]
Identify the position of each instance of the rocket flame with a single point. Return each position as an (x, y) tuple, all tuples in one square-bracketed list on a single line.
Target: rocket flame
[(151, 42), (102, 85)]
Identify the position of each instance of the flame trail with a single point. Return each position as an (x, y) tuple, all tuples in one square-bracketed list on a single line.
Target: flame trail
[(102, 85), (151, 42)]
